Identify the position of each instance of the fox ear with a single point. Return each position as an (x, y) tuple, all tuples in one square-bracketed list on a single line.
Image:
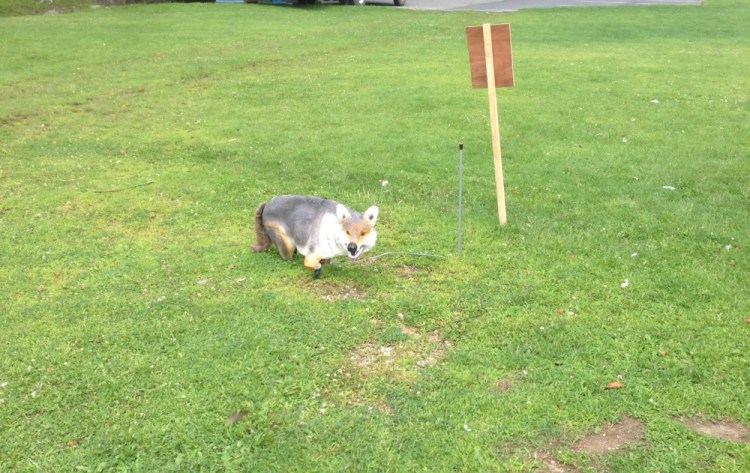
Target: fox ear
[(342, 213), (371, 215)]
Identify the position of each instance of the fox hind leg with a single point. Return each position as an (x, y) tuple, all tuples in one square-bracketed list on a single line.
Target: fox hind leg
[(282, 241)]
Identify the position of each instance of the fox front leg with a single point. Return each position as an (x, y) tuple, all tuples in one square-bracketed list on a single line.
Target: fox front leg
[(316, 274), (315, 263)]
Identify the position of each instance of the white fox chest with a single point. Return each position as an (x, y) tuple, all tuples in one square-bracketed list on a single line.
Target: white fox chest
[(327, 240)]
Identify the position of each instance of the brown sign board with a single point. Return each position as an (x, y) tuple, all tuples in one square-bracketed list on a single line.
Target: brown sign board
[(501, 53)]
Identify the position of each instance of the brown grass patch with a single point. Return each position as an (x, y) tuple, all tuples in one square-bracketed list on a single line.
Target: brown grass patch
[(611, 437), (503, 385), (727, 429), (332, 292), (410, 272), (400, 361), (372, 405), (550, 464)]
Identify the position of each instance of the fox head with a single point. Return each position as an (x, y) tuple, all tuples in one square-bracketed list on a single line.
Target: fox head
[(358, 233)]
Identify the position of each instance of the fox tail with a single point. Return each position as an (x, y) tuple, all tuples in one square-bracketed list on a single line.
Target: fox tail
[(264, 241)]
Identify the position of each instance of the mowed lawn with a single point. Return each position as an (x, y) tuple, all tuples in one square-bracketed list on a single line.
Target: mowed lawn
[(138, 332)]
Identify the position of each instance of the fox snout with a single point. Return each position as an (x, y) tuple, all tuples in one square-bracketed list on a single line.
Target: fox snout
[(352, 248)]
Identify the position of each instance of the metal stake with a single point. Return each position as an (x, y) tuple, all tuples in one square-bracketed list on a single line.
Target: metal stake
[(460, 191)]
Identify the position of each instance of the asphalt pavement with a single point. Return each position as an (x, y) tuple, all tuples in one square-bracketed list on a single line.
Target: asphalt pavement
[(514, 5)]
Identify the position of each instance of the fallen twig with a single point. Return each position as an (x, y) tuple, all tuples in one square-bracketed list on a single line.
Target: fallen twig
[(107, 191)]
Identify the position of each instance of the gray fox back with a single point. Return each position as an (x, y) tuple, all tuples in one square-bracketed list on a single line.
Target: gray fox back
[(300, 216)]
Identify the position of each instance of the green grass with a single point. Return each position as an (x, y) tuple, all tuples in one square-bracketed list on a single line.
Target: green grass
[(136, 322)]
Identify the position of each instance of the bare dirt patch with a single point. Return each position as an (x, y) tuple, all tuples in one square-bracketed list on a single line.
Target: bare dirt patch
[(371, 404), (333, 292), (727, 429), (503, 385), (551, 465), (402, 360), (399, 355), (410, 272), (611, 437), (608, 440)]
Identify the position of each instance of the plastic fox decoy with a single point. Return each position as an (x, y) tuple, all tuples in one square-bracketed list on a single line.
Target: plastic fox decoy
[(318, 228)]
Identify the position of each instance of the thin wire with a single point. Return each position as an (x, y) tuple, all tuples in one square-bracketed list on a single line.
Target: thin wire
[(373, 258)]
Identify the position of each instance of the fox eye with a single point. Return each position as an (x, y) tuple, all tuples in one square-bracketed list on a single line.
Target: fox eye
[(363, 234)]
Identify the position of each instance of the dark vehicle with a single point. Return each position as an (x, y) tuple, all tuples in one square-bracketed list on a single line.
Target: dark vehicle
[(398, 3)]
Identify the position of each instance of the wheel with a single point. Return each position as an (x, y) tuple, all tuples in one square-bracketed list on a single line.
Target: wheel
[(399, 3)]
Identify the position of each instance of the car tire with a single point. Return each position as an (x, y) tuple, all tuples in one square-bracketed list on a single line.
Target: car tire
[(399, 3)]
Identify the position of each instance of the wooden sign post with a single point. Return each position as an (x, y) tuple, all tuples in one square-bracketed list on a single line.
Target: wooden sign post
[(491, 61)]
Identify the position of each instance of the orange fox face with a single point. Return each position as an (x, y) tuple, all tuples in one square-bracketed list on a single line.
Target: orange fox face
[(358, 231)]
